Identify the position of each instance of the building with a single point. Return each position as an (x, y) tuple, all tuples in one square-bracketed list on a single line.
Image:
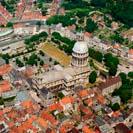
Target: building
[(128, 34), (68, 77), (110, 85), (24, 29), (3, 127), (130, 54), (121, 128)]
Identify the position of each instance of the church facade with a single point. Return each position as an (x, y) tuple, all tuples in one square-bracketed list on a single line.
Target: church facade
[(66, 78)]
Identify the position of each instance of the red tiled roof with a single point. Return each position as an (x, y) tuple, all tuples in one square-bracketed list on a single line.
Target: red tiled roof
[(49, 117), (88, 34), (5, 13), (101, 99), (122, 128), (55, 106), (83, 93), (67, 100), (85, 109), (116, 46), (4, 69), (42, 122), (89, 101), (65, 127), (86, 129), (5, 86), (30, 15), (130, 52)]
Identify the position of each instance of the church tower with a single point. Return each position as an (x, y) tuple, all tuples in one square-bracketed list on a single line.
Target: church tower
[(80, 54)]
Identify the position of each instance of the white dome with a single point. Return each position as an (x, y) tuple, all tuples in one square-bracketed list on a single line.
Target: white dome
[(80, 47)]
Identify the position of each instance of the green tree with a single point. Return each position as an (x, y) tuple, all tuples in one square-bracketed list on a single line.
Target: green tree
[(19, 63), (38, 23), (44, 11), (32, 59), (123, 77), (112, 70), (1, 78), (92, 77), (115, 107), (6, 57), (130, 75), (98, 3), (1, 101), (112, 63), (41, 53), (9, 24), (91, 26), (117, 38), (41, 62)]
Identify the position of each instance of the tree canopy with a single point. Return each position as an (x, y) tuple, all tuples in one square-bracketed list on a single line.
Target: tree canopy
[(92, 77), (91, 26)]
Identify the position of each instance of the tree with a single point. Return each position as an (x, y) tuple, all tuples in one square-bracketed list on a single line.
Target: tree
[(1, 101), (92, 77), (112, 63), (98, 3), (130, 75), (112, 70), (117, 38), (32, 60), (38, 23), (115, 107), (41, 62), (1, 78), (19, 63), (96, 55), (41, 53), (123, 77), (9, 24), (6, 57), (44, 11), (91, 26)]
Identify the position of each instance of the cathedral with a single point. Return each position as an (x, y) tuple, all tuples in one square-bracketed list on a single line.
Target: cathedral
[(66, 77)]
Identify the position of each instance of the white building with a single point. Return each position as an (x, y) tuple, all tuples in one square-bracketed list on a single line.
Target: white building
[(76, 74)]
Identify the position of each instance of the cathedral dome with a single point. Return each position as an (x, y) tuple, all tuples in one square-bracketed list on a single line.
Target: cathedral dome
[(80, 47)]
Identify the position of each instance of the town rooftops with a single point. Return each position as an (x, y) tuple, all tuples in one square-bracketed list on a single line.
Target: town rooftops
[(109, 82), (4, 69), (67, 100), (86, 129), (122, 128), (55, 106), (83, 93), (130, 51), (49, 117), (4, 86)]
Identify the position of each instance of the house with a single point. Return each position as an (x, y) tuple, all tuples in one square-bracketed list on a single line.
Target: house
[(84, 94), (109, 85), (106, 128), (130, 54), (67, 102), (115, 99), (23, 29), (4, 86), (121, 128), (3, 127), (129, 119), (114, 25), (49, 117), (86, 129), (128, 34), (5, 69)]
